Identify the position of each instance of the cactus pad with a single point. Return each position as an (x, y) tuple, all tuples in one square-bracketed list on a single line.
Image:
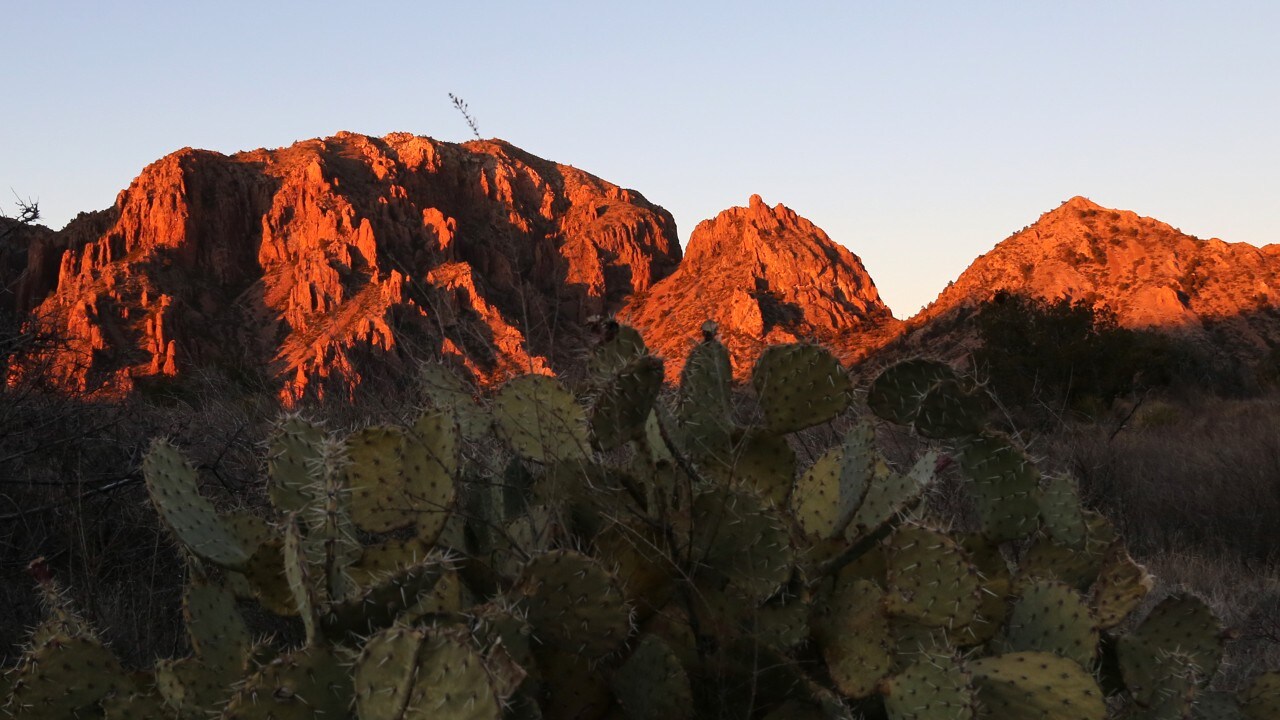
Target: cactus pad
[(218, 633), (291, 460), (573, 603), (1120, 587), (1261, 700), (799, 386), (1051, 617), (898, 391), (890, 494), (947, 411), (540, 419), (652, 685), (1060, 512), (1035, 686), (827, 496), (853, 633), (736, 538), (705, 405), (63, 676), (623, 402), (171, 483), (453, 396), (929, 578), (1005, 486), (934, 687), (309, 684), (430, 462), (1181, 624), (407, 673)]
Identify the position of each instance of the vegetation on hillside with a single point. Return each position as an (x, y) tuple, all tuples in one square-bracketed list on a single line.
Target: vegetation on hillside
[(608, 550)]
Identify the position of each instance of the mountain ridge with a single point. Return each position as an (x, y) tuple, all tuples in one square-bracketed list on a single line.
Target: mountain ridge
[(334, 261)]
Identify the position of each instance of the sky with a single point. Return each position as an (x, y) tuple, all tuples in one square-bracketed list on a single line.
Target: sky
[(918, 134)]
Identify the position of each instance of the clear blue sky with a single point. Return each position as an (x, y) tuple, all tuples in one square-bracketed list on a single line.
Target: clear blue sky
[(918, 134)]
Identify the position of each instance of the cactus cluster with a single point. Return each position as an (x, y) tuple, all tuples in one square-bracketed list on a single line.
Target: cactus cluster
[(645, 559)]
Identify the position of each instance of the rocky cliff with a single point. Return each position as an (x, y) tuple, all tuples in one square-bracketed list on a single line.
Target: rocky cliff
[(1150, 274), (765, 275), (332, 261)]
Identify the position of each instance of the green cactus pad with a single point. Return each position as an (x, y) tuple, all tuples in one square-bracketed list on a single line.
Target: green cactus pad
[(829, 493), (898, 391), (853, 634), (623, 402), (1176, 691), (1005, 486), (540, 419), (375, 478), (1120, 587), (217, 631), (1035, 686), (735, 537), (192, 688), (385, 672), (889, 495), (1181, 624), (378, 605), (309, 684), (782, 623), (430, 463), (799, 386), (302, 587), (705, 408), (498, 624), (385, 559), (764, 464), (264, 575), (1261, 700), (1060, 511), (934, 687), (930, 579), (64, 676), (250, 529), (452, 395), (141, 701), (947, 411), (573, 603), (996, 581), (641, 564), (411, 673), (622, 346), (652, 685), (1051, 617), (1048, 559), (291, 461), (171, 483)]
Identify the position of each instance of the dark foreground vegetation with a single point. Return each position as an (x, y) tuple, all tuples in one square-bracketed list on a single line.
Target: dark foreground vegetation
[(796, 549)]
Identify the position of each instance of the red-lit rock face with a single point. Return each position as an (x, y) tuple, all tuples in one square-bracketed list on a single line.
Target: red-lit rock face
[(765, 275), (1152, 275), (335, 258)]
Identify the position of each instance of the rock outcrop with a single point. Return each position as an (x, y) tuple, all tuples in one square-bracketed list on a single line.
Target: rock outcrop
[(765, 275), (332, 261), (1151, 275)]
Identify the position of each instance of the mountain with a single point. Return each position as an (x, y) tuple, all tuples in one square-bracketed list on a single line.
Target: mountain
[(765, 275), (334, 261), (1220, 295)]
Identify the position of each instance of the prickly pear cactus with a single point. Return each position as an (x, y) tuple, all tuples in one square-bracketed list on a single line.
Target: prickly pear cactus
[(536, 555)]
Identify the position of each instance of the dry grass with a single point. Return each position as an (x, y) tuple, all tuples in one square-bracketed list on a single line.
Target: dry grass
[(1194, 487)]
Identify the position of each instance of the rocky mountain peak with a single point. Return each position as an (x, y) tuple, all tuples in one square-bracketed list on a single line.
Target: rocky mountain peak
[(1149, 273), (765, 275), (333, 260)]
